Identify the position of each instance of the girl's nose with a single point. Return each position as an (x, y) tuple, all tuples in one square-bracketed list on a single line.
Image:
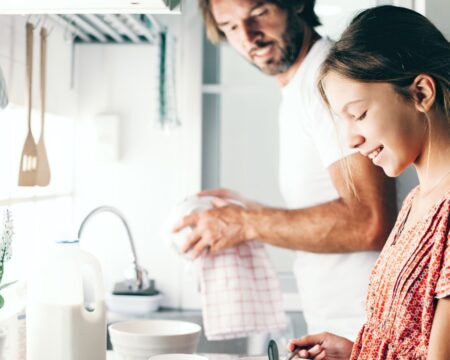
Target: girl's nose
[(354, 140)]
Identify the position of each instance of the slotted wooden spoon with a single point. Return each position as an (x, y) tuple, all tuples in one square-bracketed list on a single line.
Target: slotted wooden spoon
[(28, 160), (43, 168)]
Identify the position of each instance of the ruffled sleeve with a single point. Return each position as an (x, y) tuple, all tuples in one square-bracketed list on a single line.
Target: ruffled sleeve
[(443, 282)]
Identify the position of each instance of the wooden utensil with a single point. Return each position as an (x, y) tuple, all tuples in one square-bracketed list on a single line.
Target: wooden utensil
[(43, 168), (28, 160)]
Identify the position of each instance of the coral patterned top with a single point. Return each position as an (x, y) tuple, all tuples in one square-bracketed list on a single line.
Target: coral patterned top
[(412, 271)]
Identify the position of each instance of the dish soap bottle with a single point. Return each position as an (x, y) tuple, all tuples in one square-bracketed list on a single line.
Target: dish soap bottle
[(66, 313)]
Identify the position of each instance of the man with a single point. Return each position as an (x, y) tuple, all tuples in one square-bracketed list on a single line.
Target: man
[(336, 224)]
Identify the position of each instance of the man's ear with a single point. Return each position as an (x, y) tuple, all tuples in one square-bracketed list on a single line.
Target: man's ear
[(423, 90)]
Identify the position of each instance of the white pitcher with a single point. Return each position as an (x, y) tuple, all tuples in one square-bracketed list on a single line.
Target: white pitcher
[(66, 314)]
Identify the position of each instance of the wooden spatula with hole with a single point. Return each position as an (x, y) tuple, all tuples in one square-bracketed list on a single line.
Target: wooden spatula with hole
[(43, 168), (28, 160)]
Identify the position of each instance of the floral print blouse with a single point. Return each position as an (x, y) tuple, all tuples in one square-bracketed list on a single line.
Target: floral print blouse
[(412, 272)]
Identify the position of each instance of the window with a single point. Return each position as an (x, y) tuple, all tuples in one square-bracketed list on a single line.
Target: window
[(36, 210)]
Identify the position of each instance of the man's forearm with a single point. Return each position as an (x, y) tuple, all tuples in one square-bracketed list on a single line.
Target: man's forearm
[(331, 227), (359, 220)]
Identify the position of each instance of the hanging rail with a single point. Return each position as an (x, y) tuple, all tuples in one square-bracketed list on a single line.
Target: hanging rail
[(111, 28)]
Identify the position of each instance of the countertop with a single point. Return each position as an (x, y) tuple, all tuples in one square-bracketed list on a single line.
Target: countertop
[(110, 356)]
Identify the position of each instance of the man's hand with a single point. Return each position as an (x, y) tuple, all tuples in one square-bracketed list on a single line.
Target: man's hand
[(322, 346), (221, 227)]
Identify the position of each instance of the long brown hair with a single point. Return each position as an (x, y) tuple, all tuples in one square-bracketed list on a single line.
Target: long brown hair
[(303, 8), (393, 45)]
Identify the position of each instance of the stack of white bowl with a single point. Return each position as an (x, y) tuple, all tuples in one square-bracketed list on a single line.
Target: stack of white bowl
[(141, 339)]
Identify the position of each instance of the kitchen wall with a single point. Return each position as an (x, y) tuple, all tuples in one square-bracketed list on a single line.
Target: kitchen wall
[(438, 12), (152, 169), (145, 178), (143, 171)]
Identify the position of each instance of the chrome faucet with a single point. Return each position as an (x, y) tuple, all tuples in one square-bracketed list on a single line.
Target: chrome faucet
[(136, 279)]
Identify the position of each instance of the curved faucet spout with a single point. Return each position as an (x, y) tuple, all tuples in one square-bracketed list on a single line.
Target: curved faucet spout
[(141, 278)]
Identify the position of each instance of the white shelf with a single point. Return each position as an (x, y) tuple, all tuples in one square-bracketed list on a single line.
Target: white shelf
[(86, 7)]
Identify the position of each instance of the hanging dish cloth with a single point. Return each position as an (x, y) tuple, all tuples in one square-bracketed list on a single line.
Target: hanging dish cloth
[(3, 93), (240, 290), (167, 116)]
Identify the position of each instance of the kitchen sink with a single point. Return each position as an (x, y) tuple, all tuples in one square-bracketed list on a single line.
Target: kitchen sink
[(252, 345)]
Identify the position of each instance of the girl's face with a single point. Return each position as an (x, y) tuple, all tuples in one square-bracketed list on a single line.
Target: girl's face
[(379, 122)]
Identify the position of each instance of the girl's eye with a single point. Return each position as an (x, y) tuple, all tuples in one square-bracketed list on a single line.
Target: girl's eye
[(362, 117)]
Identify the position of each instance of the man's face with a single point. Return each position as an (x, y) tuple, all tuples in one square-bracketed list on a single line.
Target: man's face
[(267, 36)]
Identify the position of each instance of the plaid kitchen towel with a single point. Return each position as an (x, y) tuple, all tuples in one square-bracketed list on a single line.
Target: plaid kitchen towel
[(240, 290), (240, 293)]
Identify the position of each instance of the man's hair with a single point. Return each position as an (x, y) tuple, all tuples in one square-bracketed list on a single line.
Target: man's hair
[(303, 8)]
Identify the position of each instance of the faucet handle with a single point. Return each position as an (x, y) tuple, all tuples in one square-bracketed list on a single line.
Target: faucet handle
[(136, 278)]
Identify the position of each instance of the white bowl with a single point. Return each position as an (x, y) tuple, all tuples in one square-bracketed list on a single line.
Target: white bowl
[(177, 357), (140, 339)]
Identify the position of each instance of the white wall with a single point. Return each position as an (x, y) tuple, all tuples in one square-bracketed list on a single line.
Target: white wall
[(438, 11), (154, 171)]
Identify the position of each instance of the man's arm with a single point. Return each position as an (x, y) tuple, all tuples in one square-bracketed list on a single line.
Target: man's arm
[(349, 223)]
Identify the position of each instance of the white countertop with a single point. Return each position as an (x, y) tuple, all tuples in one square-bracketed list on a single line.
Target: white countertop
[(110, 356)]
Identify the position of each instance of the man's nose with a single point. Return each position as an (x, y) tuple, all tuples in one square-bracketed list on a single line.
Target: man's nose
[(250, 33)]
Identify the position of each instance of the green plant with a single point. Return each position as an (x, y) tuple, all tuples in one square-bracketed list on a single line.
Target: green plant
[(5, 250)]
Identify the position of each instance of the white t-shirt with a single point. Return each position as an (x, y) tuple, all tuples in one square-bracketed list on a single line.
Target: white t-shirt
[(332, 287)]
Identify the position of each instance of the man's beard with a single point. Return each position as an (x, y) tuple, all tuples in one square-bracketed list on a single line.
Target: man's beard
[(292, 42)]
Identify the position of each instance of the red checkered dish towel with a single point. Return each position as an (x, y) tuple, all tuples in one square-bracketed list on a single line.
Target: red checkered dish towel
[(240, 290), (241, 293)]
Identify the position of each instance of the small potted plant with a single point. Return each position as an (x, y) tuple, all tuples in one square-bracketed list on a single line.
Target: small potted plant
[(5, 250)]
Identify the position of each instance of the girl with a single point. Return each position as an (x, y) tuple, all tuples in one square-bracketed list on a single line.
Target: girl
[(388, 79)]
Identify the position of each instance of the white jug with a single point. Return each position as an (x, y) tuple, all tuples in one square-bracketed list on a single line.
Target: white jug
[(66, 314)]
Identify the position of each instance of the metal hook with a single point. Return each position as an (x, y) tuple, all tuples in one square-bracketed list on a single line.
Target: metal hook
[(34, 25), (49, 30)]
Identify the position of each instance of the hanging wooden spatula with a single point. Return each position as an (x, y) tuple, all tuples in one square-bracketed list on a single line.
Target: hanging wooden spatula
[(43, 168), (28, 160)]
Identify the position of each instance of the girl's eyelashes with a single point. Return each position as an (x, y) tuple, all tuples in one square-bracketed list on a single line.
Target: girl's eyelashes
[(362, 117)]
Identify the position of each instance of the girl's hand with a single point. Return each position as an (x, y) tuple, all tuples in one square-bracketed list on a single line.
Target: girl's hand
[(322, 346)]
